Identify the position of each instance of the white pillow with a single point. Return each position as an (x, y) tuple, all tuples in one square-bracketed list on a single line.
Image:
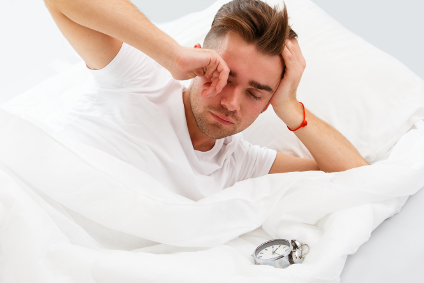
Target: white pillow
[(367, 95)]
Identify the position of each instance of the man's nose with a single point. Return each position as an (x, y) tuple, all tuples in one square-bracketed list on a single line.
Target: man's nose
[(231, 99)]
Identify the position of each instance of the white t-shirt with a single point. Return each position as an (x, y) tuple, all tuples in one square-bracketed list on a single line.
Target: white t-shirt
[(136, 113)]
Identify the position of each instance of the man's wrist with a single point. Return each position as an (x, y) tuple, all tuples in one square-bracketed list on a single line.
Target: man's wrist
[(171, 57), (291, 114)]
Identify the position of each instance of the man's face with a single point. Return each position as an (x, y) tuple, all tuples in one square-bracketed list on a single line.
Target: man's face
[(253, 79)]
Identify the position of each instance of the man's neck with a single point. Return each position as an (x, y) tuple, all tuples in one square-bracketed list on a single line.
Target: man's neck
[(200, 141)]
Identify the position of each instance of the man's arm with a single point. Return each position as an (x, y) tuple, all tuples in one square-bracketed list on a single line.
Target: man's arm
[(331, 151), (97, 28)]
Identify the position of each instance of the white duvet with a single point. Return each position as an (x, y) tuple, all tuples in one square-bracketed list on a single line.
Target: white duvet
[(71, 213)]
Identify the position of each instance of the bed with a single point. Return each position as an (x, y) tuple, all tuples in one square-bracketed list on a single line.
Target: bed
[(375, 101)]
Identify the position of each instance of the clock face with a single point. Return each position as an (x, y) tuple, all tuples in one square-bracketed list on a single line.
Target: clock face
[(273, 251)]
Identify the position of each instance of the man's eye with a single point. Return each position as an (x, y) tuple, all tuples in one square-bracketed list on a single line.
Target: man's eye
[(254, 96)]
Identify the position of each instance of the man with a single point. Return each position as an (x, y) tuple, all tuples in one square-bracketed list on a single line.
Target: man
[(188, 139)]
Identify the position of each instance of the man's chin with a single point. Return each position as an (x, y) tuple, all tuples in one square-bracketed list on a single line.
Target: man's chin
[(217, 131)]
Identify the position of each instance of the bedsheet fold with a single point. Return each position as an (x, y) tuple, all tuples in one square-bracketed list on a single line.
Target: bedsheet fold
[(71, 213)]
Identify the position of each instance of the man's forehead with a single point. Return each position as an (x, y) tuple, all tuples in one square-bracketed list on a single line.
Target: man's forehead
[(254, 83), (260, 70)]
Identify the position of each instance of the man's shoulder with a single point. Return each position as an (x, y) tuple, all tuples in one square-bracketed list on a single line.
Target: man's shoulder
[(131, 68)]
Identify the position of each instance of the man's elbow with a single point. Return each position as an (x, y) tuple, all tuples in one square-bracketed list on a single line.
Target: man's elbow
[(346, 166)]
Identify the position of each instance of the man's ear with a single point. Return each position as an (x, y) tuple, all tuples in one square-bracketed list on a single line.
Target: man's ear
[(266, 107), (197, 45)]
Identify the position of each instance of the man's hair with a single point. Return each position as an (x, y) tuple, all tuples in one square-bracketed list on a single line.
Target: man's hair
[(256, 22)]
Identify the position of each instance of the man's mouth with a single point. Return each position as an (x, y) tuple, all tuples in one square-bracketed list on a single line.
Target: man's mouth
[(224, 120)]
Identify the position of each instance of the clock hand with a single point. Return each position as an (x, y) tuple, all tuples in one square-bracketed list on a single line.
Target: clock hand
[(276, 249)]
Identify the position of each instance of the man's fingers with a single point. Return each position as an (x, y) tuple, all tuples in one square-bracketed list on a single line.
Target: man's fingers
[(294, 48), (212, 88), (292, 74), (209, 92), (206, 92), (199, 72), (207, 63), (224, 72), (213, 64), (298, 54), (209, 70), (219, 77), (289, 61)]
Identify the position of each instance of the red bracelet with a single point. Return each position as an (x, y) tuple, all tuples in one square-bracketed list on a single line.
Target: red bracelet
[(304, 123)]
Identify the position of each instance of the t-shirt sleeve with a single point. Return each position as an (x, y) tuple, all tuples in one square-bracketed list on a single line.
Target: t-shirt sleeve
[(130, 70), (256, 161)]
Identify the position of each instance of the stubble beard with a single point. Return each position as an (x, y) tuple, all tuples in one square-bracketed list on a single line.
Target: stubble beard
[(213, 130)]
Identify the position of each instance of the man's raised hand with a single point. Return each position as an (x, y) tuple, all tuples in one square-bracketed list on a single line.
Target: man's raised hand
[(295, 64), (284, 100), (192, 62)]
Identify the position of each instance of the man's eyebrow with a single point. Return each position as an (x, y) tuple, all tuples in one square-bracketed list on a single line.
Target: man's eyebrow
[(260, 86), (255, 84)]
